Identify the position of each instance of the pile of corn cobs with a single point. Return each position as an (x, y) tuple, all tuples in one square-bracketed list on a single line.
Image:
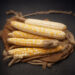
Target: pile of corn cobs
[(37, 42)]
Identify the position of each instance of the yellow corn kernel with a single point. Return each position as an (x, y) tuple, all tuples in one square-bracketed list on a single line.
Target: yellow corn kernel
[(47, 32), (48, 24), (26, 52), (20, 34), (31, 42)]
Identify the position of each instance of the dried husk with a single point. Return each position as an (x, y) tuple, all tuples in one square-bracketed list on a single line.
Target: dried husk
[(46, 60)]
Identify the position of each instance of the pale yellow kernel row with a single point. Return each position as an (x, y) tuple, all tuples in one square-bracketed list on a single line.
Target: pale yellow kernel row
[(29, 42), (26, 52), (20, 34)]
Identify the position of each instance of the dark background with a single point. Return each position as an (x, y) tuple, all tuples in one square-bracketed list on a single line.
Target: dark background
[(66, 67)]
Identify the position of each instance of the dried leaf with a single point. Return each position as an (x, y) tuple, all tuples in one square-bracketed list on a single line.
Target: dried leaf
[(70, 37), (0, 33)]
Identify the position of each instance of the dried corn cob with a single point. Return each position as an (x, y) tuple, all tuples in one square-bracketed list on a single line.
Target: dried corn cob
[(20, 34), (48, 24), (38, 30), (26, 52), (32, 42)]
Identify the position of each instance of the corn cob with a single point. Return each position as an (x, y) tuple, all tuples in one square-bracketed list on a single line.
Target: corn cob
[(26, 52), (51, 33), (20, 34), (48, 24), (32, 42)]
